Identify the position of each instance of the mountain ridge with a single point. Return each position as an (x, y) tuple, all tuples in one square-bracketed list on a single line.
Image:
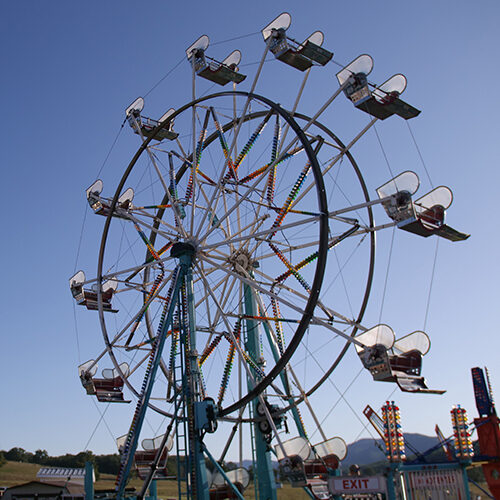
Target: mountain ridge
[(368, 450)]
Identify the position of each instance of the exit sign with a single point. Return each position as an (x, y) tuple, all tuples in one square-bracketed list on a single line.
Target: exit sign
[(349, 484)]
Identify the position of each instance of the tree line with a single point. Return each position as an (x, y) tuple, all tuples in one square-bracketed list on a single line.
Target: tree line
[(107, 464)]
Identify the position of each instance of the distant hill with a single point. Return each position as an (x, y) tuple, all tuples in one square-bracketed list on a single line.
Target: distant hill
[(368, 451)]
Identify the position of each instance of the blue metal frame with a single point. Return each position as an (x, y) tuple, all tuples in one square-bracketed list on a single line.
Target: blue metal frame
[(89, 481), (143, 404), (224, 475), (188, 337), (195, 460), (286, 384)]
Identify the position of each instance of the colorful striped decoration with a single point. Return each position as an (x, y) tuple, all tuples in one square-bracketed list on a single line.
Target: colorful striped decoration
[(293, 271), (271, 180)]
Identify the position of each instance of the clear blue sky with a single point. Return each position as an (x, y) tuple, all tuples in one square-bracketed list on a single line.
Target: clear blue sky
[(69, 70)]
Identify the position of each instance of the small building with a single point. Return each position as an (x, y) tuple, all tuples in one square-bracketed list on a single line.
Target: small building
[(35, 490), (63, 475)]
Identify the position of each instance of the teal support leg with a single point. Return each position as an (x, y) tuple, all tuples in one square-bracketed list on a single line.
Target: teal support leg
[(153, 491), (336, 472), (223, 474), (182, 288), (286, 384), (466, 480), (193, 384), (266, 484), (142, 404), (391, 490), (89, 481)]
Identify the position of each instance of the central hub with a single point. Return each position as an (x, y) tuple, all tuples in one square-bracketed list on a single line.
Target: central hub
[(182, 248), (241, 262)]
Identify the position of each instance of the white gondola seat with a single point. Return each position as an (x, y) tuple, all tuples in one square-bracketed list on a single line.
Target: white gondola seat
[(384, 100), (326, 458), (292, 462), (424, 216), (217, 72), (144, 458), (102, 206), (429, 217), (88, 296), (298, 55), (309, 467), (142, 125), (219, 489), (109, 388), (149, 124), (395, 361), (213, 70)]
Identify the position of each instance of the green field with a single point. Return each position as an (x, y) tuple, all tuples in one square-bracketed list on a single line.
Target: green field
[(13, 473), (17, 472)]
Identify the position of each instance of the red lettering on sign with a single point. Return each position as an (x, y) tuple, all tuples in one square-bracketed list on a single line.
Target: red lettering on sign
[(356, 484)]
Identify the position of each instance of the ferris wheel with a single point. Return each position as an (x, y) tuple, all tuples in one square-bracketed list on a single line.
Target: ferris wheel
[(224, 246)]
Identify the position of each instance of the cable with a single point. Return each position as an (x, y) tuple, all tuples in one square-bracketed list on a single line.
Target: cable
[(340, 65), (419, 153), (235, 38), (97, 425), (80, 239), (341, 394), (432, 282), (77, 334), (111, 148), (343, 281), (270, 59), (164, 77), (343, 398), (383, 151), (387, 274)]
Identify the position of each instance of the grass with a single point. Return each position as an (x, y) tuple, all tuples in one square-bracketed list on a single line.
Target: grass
[(168, 489), (13, 473)]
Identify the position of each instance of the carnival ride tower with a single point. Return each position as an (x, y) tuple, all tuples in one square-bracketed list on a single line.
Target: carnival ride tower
[(488, 430)]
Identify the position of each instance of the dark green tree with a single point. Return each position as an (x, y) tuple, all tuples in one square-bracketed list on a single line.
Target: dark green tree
[(108, 464), (40, 457), (18, 455)]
